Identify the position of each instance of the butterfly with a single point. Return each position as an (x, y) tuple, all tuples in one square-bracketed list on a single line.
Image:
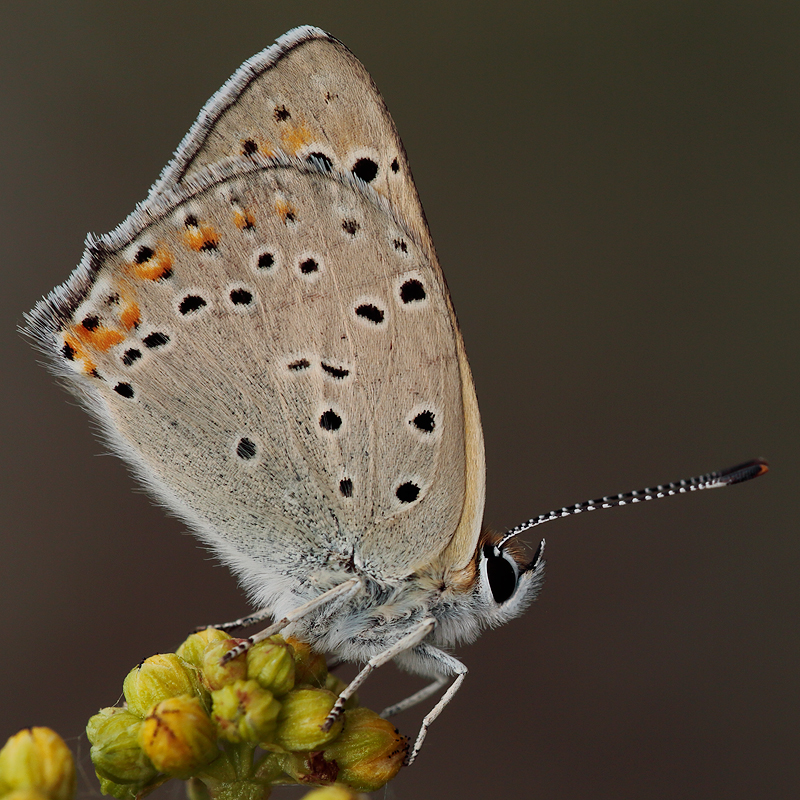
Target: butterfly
[(269, 342)]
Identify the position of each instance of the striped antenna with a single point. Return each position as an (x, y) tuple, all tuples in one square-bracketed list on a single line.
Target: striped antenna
[(713, 480)]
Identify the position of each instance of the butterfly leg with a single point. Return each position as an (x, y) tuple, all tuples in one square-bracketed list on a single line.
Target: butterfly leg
[(409, 641), (448, 665), (343, 591), (242, 622), (417, 697)]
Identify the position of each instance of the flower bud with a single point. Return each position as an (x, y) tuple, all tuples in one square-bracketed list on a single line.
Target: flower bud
[(36, 760), (337, 685), (195, 645), (308, 768), (214, 673), (116, 750), (335, 792), (127, 791), (300, 722), (310, 667), (154, 680), (271, 663), (24, 794), (98, 720), (244, 712), (369, 752), (178, 737)]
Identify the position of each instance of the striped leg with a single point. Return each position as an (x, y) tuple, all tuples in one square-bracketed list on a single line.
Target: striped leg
[(343, 591)]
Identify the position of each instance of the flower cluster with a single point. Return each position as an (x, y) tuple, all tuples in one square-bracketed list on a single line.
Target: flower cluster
[(236, 729)]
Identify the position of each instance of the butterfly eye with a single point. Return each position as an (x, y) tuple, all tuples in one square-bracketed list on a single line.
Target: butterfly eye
[(501, 573)]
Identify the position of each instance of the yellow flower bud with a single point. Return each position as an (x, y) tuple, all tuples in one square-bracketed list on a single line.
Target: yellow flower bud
[(178, 737), (300, 722), (335, 792), (116, 751), (244, 712), (195, 645), (37, 760), (271, 663), (310, 667), (215, 674), (154, 680), (369, 752), (25, 794)]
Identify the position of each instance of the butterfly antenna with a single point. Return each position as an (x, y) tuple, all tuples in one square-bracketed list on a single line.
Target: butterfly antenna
[(713, 480)]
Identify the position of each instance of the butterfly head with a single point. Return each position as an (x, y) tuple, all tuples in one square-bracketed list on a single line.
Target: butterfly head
[(507, 580)]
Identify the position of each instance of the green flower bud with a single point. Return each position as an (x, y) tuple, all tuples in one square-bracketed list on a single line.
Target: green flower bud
[(244, 712), (271, 663), (300, 722), (178, 737), (37, 760), (154, 680), (116, 751), (335, 792), (193, 648), (127, 791), (370, 751), (310, 667), (98, 720), (337, 685), (215, 674)]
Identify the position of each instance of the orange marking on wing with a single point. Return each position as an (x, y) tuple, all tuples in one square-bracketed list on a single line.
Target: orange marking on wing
[(79, 352), (105, 338), (243, 219), (100, 338), (201, 237), (296, 137), (265, 148), (250, 146), (131, 315), (158, 266), (286, 210)]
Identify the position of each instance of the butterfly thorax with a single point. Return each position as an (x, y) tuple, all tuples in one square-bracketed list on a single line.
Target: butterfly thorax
[(382, 612)]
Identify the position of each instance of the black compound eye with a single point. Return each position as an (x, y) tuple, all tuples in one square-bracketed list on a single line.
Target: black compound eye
[(501, 574)]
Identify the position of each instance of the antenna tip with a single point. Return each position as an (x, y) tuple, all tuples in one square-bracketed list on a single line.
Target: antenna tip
[(744, 472)]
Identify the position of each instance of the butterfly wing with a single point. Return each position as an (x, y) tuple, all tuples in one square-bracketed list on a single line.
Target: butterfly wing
[(271, 343), (306, 96)]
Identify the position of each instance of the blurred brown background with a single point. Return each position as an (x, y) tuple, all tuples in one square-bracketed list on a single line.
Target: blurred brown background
[(613, 190)]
